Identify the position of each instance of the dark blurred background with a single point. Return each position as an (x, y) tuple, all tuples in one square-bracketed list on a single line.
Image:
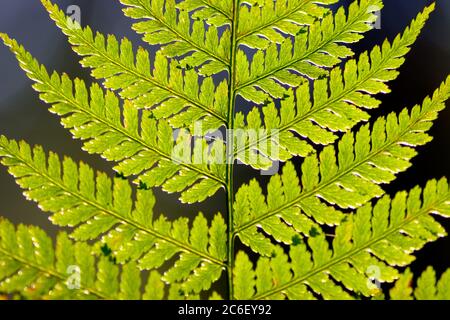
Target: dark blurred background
[(24, 116)]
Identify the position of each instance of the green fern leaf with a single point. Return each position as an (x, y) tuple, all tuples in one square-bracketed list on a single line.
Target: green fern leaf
[(79, 200), (334, 106), (374, 239), (168, 93), (427, 286), (162, 26), (68, 271), (327, 231), (266, 75), (137, 145), (264, 22), (216, 13), (154, 289), (347, 178)]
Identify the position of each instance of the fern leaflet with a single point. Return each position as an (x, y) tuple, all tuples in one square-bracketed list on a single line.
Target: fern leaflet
[(319, 48), (328, 231), (427, 286), (88, 204), (169, 92), (30, 261), (347, 178), (382, 237), (334, 106), (202, 46), (263, 23), (138, 145)]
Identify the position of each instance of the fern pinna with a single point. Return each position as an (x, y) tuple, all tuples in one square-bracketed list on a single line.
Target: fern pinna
[(321, 229)]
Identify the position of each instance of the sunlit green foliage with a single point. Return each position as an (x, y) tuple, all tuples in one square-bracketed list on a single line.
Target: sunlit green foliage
[(322, 229)]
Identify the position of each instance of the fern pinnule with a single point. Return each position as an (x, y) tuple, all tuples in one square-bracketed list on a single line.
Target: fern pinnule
[(142, 146)]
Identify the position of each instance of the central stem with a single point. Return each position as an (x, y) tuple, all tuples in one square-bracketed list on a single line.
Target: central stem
[(230, 148)]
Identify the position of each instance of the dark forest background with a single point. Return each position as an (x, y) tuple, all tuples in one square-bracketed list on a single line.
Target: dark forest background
[(24, 116)]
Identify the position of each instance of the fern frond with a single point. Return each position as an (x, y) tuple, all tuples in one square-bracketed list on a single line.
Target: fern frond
[(321, 47), (163, 26), (171, 93), (369, 244), (347, 178), (88, 204), (264, 22), (335, 104), (142, 146), (329, 231), (216, 13), (31, 266), (427, 288)]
